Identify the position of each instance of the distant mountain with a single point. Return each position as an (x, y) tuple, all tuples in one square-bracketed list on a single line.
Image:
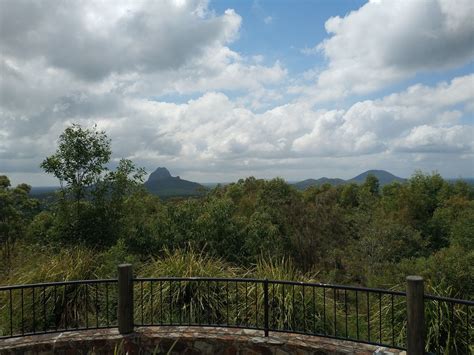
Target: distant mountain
[(211, 185), (303, 185), (469, 181), (43, 190), (161, 183), (44, 194), (383, 176)]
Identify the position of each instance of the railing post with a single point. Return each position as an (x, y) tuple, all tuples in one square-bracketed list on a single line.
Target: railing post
[(415, 316), (265, 309), (125, 299)]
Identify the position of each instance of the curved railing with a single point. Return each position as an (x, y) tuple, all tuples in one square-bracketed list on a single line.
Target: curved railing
[(365, 315), (57, 306), (342, 312)]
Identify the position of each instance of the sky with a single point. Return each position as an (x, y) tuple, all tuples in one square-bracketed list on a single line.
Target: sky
[(220, 90)]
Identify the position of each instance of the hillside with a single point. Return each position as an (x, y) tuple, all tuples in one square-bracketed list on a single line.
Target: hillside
[(383, 176), (303, 185), (161, 183)]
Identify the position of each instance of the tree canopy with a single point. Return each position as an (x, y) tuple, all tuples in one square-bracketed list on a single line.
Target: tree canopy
[(354, 233), (80, 159)]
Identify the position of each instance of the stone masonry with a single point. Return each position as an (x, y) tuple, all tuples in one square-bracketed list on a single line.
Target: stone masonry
[(183, 340)]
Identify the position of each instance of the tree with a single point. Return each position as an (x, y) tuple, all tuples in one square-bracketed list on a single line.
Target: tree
[(79, 163), (349, 195), (79, 160), (16, 210), (371, 184), (98, 214), (111, 205)]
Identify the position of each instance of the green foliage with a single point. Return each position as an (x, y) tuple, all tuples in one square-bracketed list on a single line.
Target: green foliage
[(382, 244), (80, 159), (349, 196), (441, 336), (188, 300), (448, 269), (97, 213), (351, 234), (16, 211), (71, 305), (144, 225), (108, 260), (371, 185), (454, 221), (281, 269), (187, 263), (46, 265)]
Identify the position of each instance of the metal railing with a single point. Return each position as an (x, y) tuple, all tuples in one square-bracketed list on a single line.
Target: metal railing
[(57, 306), (343, 312), (365, 315), (449, 325)]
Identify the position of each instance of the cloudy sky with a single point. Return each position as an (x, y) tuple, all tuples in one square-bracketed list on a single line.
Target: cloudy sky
[(220, 90)]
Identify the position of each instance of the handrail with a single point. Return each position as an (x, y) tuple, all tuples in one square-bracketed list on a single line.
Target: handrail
[(361, 314), (57, 283), (317, 284), (449, 299), (286, 282)]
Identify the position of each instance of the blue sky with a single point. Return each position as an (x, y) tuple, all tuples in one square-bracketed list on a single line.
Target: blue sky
[(219, 90), (281, 29)]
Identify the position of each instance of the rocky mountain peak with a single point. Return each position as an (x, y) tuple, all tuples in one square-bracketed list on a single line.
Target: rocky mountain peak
[(159, 174)]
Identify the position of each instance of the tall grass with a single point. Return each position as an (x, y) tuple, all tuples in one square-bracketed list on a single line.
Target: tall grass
[(187, 301), (292, 307), (448, 329), (448, 326), (295, 307), (45, 308), (33, 265), (187, 263)]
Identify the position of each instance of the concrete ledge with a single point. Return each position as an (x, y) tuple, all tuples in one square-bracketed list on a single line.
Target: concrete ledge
[(184, 340)]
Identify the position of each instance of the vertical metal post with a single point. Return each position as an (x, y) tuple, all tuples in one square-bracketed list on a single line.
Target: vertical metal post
[(125, 299), (265, 308), (415, 316)]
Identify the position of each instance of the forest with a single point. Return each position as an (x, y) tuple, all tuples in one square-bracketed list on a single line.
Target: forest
[(349, 234)]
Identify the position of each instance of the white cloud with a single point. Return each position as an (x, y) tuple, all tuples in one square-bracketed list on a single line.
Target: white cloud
[(216, 133), (429, 139), (396, 121), (65, 61), (387, 41), (96, 63), (145, 48), (93, 40)]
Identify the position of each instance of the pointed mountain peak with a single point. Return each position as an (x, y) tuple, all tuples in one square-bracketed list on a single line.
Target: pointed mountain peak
[(161, 183), (159, 174)]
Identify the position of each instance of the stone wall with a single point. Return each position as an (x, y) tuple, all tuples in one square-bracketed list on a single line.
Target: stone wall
[(183, 340)]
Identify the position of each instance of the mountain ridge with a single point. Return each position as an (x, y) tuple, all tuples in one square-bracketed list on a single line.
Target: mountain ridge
[(383, 176), (162, 183)]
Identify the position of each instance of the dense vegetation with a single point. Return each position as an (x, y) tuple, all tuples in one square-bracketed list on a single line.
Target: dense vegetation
[(351, 234), (358, 234)]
